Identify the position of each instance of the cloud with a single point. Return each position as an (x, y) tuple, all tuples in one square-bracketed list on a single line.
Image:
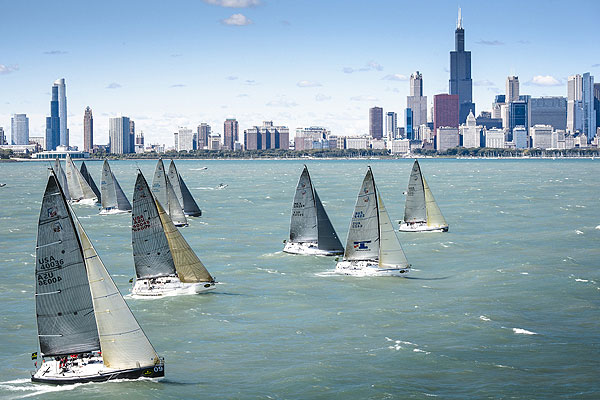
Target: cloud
[(282, 102), (370, 66), (308, 84), (113, 85), (364, 98), (322, 97), (523, 41), (242, 95), (55, 52), (490, 43), (395, 77), (7, 69), (375, 66), (231, 78), (544, 80), (237, 20), (484, 82), (233, 3), (176, 55), (348, 70), (286, 23), (178, 85), (595, 65), (250, 82)]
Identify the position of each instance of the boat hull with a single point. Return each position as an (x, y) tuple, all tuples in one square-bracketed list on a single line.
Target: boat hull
[(368, 268), (114, 211), (309, 248), (168, 286), (93, 371), (421, 227), (194, 214)]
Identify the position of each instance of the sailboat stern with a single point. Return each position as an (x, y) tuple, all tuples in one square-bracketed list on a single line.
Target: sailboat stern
[(363, 268)]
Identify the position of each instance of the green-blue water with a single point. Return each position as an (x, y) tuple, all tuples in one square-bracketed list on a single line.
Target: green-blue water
[(505, 305)]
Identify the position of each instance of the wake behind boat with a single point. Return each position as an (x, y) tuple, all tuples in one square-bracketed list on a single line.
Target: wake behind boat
[(114, 200), (86, 331), (372, 247), (165, 264), (311, 231), (421, 212)]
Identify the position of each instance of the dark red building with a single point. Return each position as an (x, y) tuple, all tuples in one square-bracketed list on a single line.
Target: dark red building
[(445, 111)]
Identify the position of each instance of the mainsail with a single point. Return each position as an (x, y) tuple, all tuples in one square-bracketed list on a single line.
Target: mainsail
[(414, 210), (88, 178), (328, 238), (187, 202), (79, 188), (363, 235), (303, 223), (434, 214), (61, 177), (159, 183), (390, 250), (64, 309), (112, 194), (122, 341), (151, 251)]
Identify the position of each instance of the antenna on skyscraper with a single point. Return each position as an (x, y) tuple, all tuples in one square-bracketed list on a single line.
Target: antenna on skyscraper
[(459, 22)]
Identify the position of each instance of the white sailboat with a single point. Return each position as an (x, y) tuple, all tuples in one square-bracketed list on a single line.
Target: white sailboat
[(165, 194), (421, 212), (187, 202), (79, 190), (86, 331), (114, 200), (311, 231), (165, 264), (372, 247), (88, 178)]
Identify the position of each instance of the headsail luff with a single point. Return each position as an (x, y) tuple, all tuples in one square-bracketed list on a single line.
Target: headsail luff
[(61, 177), (151, 252), (123, 343), (82, 190), (303, 222), (328, 238), (434, 214), (414, 210), (391, 254), (64, 309), (88, 178)]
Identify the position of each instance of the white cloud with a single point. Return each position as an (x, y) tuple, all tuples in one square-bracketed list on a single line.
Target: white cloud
[(177, 85), (282, 102), (308, 84), (7, 69), (234, 3), (490, 43), (395, 77), (374, 65), (370, 66), (55, 52), (484, 82), (113, 85), (544, 80), (231, 78), (322, 97), (237, 20), (364, 98)]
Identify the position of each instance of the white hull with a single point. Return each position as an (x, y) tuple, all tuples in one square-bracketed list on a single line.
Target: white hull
[(308, 248), (113, 211), (421, 227), (368, 268), (85, 202), (168, 286)]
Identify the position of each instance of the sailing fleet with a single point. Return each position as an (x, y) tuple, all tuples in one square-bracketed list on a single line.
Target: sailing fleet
[(86, 331)]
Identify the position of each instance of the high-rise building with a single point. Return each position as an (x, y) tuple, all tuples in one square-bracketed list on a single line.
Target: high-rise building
[(520, 137), (131, 136), (445, 111), (446, 137), (499, 100), (376, 122), (391, 123), (19, 129), (118, 132), (62, 111), (471, 133), (541, 136), (512, 89), (485, 120), (495, 138), (53, 122), (416, 102), (312, 137), (589, 114), (139, 142), (266, 137), (88, 130), (202, 136), (461, 83), (548, 111), (2, 137), (184, 140), (575, 103), (517, 114), (230, 133), (409, 124), (597, 103)]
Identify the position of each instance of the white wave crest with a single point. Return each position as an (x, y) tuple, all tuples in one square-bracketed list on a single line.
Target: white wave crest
[(520, 331)]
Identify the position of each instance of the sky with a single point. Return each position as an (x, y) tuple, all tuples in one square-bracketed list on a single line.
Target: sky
[(297, 63)]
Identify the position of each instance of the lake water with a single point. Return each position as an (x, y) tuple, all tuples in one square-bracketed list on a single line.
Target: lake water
[(504, 305)]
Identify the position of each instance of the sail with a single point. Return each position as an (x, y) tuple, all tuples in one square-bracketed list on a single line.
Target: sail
[(62, 179), (184, 196), (122, 201), (328, 239), (363, 234), (88, 178), (174, 207), (64, 310), (189, 267), (159, 184), (303, 223), (174, 179), (151, 252), (414, 210), (434, 214), (112, 194), (82, 191), (391, 254), (122, 341)]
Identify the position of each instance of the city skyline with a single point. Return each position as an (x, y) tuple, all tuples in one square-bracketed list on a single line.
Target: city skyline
[(330, 77)]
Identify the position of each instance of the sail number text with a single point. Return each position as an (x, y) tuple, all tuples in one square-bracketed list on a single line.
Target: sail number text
[(140, 223), (50, 263), (47, 278)]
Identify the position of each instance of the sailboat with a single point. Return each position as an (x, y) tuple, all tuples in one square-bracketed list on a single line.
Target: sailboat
[(421, 212), (61, 177), (79, 190), (187, 202), (165, 264), (372, 247), (165, 194), (114, 200), (86, 331), (88, 178), (311, 231)]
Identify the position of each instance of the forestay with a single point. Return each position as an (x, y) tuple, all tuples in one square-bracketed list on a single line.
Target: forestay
[(414, 210), (391, 254), (434, 214), (88, 178), (303, 223), (328, 238), (363, 234), (65, 314)]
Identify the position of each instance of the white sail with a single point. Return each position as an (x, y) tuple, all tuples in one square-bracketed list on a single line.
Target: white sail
[(434, 214), (303, 222), (174, 208), (122, 341), (81, 190), (61, 177), (159, 184), (174, 179), (88, 178), (187, 202), (391, 254), (112, 196), (414, 210), (363, 234)]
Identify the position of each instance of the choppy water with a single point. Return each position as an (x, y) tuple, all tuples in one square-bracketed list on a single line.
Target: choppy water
[(505, 305)]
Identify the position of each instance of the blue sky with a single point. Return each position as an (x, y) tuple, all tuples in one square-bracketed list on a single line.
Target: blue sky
[(298, 63)]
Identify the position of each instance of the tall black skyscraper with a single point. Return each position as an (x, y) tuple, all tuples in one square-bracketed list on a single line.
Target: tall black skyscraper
[(460, 73), (53, 122)]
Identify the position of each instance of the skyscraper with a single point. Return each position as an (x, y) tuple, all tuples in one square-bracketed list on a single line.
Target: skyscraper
[(19, 129), (118, 131), (589, 114), (575, 103), (445, 111), (62, 111), (548, 111), (266, 137), (391, 123), (512, 89), (2, 136), (203, 135), (376, 122), (597, 103), (461, 83), (53, 122), (230, 133), (416, 102), (88, 130), (131, 136), (184, 139)]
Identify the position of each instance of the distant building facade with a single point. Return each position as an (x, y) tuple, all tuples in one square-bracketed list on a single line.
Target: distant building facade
[(118, 132), (2, 137), (512, 89), (520, 138), (470, 132), (19, 129), (267, 136), (589, 114), (88, 130), (495, 138), (202, 135), (416, 105), (311, 138), (461, 83), (62, 110), (391, 125), (53, 121), (548, 111), (445, 111), (486, 120), (446, 137), (184, 140), (376, 122), (541, 136), (230, 133)]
